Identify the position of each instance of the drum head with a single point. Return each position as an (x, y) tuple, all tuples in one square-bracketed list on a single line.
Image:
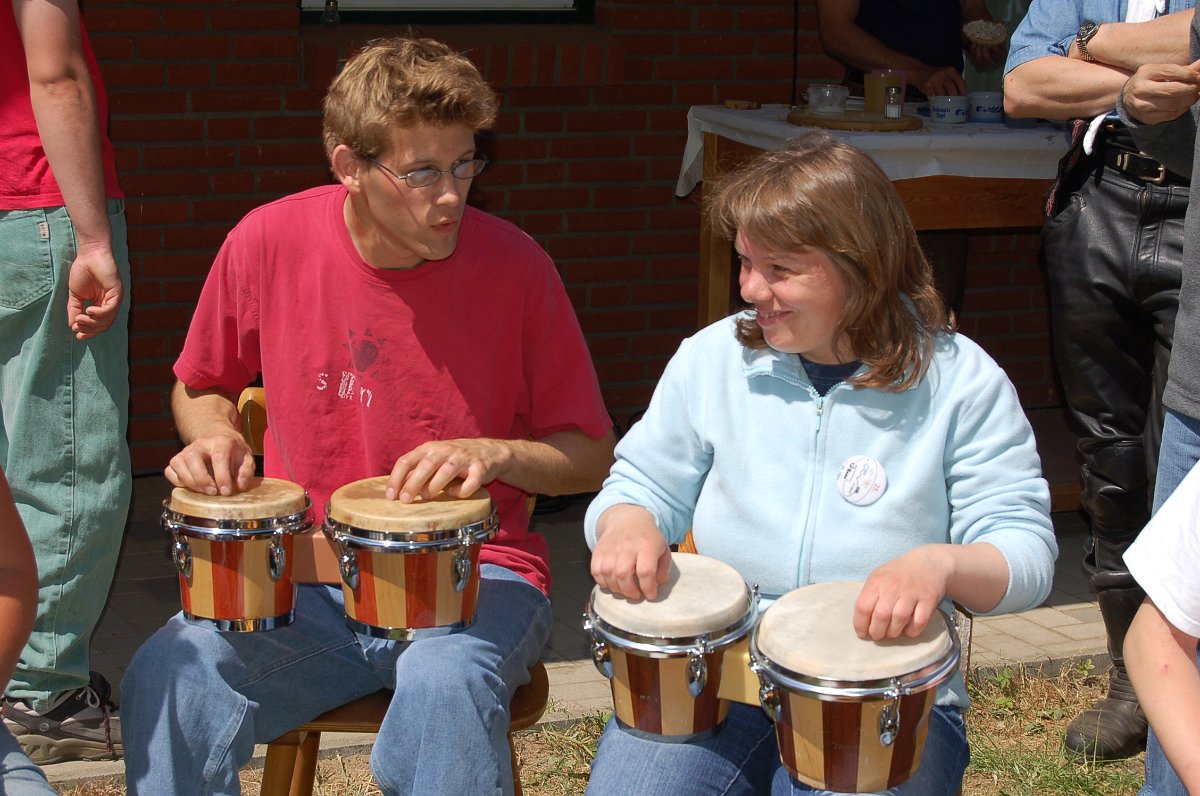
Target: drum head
[(701, 595), (267, 497), (362, 504), (810, 631)]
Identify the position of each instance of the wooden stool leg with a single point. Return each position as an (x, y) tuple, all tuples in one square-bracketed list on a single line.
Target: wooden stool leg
[(305, 772), (516, 770), (281, 760)]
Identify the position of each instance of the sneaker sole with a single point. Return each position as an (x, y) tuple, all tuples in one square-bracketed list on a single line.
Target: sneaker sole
[(45, 751)]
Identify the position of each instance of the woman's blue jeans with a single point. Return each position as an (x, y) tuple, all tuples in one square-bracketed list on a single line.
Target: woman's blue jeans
[(196, 701), (743, 758)]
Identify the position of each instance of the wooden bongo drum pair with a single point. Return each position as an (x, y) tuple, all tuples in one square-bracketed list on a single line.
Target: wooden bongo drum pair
[(407, 569), (850, 715)]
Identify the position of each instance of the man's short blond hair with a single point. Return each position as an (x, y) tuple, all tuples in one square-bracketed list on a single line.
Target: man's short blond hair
[(402, 82)]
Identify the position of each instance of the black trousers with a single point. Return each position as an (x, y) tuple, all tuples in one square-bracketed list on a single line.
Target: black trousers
[(1114, 252)]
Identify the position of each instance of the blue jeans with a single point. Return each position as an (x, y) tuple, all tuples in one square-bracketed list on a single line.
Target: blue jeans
[(62, 445), (743, 758), (1180, 452), (195, 700), (18, 775)]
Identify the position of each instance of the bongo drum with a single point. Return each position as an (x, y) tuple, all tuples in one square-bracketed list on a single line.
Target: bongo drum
[(234, 553), (408, 569), (664, 658), (851, 715)]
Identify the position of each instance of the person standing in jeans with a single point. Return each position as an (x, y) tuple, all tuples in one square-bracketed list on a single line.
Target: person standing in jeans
[(64, 374)]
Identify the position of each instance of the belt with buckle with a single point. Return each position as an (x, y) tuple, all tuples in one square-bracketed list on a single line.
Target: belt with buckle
[(1135, 164)]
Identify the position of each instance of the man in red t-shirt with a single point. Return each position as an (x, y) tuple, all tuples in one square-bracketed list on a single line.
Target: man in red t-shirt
[(397, 333)]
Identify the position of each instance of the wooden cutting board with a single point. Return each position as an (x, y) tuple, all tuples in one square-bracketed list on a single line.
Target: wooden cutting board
[(855, 120)]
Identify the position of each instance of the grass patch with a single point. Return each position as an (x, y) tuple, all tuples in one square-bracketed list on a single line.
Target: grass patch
[(1015, 728)]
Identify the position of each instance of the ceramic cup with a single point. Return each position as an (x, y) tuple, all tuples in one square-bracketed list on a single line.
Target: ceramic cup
[(827, 100), (948, 110), (985, 106)]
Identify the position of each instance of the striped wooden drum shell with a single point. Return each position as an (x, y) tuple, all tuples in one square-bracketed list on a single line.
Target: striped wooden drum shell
[(851, 715), (234, 553), (408, 569), (665, 658)]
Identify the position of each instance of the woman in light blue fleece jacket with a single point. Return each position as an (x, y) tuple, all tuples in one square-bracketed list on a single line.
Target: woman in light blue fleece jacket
[(760, 431)]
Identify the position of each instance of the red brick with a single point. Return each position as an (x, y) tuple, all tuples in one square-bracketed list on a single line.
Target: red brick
[(173, 47), (631, 221), (251, 47), (187, 20), (190, 75), (244, 100)]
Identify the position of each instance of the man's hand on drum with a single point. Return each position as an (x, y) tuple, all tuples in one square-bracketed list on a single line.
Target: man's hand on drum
[(899, 597), (435, 466), (220, 464), (631, 557)]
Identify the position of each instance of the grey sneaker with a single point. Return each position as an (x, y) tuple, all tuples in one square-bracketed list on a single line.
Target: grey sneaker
[(81, 725)]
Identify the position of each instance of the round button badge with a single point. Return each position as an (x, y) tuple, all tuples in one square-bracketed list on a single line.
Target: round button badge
[(861, 480)]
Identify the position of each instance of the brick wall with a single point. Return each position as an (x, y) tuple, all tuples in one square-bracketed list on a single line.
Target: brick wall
[(215, 109)]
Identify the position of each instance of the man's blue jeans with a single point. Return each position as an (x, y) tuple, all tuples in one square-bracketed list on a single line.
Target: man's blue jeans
[(195, 700), (743, 758), (18, 775), (1179, 453), (62, 444)]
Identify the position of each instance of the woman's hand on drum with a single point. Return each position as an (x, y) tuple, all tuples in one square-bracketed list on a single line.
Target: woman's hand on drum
[(432, 467), (631, 557), (220, 464), (900, 597)]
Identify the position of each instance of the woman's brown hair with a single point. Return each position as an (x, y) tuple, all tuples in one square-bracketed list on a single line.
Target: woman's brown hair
[(401, 82), (820, 193)]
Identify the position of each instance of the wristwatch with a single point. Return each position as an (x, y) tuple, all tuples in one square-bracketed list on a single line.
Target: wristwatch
[(1085, 33)]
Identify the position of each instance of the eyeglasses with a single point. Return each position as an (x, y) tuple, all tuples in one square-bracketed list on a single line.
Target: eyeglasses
[(423, 178)]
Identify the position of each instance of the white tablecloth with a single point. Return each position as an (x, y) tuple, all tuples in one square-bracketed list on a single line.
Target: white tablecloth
[(962, 150)]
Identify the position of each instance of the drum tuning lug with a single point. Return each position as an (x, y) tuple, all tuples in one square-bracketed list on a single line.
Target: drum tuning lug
[(768, 697), (181, 554), (348, 562), (889, 725), (277, 556), (889, 718), (601, 658), (462, 568), (697, 675)]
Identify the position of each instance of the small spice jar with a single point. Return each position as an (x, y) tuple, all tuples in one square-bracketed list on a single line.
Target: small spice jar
[(893, 102)]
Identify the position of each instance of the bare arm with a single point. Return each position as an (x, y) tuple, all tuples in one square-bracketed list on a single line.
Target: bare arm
[(846, 42), (216, 458), (1128, 45), (1053, 87), (1162, 665), (561, 463), (64, 105), (18, 583)]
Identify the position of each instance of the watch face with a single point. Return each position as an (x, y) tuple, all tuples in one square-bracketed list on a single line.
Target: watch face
[(1087, 30)]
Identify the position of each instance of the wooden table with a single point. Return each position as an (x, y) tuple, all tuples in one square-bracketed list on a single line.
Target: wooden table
[(971, 176)]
